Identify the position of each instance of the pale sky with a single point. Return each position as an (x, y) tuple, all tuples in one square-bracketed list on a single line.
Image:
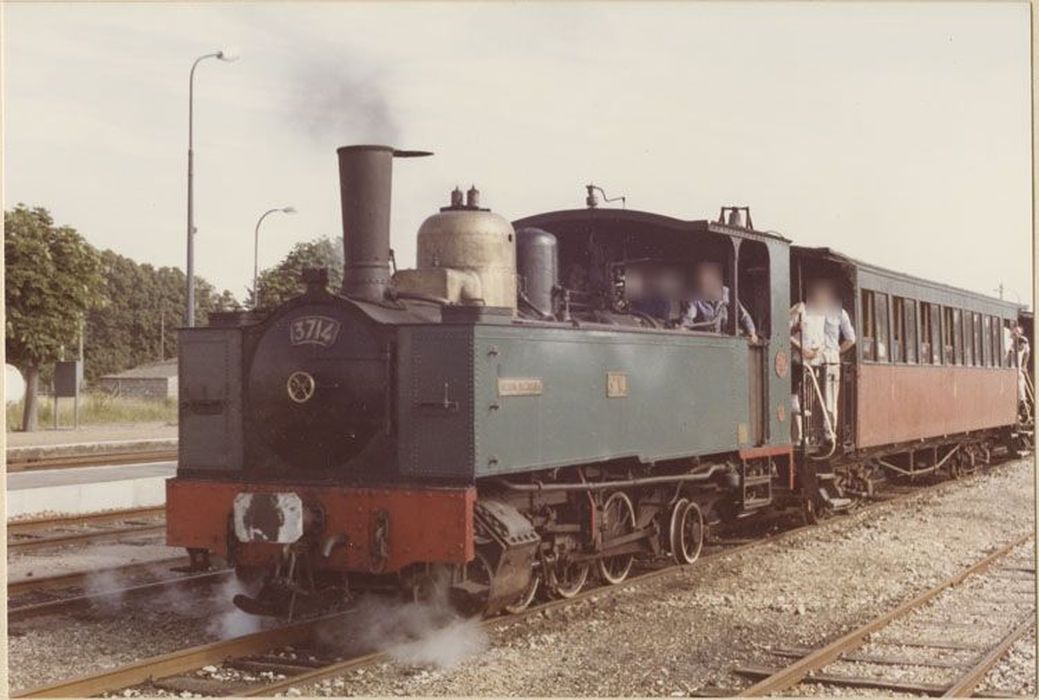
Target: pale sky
[(896, 133)]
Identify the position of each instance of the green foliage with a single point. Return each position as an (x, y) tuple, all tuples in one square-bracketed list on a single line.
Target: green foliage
[(99, 409), (144, 307), (282, 282), (52, 278), (132, 310)]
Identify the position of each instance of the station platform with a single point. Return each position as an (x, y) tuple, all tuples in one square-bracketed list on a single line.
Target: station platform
[(83, 490), (92, 435)]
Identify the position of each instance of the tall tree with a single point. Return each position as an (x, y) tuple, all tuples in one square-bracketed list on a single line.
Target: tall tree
[(144, 307), (284, 281), (52, 278)]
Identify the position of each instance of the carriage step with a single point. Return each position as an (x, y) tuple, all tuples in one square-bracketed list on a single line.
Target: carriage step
[(838, 503)]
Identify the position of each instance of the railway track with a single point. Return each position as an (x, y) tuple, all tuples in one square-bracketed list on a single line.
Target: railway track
[(91, 460), (34, 597), (921, 639), (84, 529), (262, 652), (271, 661)]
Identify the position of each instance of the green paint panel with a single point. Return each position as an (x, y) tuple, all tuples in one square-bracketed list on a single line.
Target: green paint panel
[(686, 395)]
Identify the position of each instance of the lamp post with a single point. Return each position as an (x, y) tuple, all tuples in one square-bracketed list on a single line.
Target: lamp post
[(223, 56), (256, 249)]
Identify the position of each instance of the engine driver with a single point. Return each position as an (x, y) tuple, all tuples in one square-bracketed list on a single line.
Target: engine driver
[(709, 306)]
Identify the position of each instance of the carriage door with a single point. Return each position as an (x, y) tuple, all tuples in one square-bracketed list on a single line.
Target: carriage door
[(754, 292)]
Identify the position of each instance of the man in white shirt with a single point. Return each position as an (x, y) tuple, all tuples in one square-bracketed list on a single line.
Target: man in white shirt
[(820, 332)]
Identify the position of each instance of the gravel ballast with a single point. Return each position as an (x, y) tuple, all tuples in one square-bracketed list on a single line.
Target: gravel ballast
[(672, 635), (680, 634)]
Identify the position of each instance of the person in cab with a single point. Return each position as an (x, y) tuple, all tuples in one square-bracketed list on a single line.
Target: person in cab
[(708, 306)]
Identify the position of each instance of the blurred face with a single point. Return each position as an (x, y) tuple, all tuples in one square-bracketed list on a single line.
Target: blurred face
[(707, 281), (822, 295)]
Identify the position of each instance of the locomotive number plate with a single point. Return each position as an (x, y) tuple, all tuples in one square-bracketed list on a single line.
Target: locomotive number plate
[(313, 330), (268, 517), (616, 385)]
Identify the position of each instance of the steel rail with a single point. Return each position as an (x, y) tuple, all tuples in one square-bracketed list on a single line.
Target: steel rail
[(83, 537), (78, 578), (742, 546), (21, 612), (970, 680), (179, 661), (191, 659), (793, 674), (217, 652), (18, 527), (100, 459)]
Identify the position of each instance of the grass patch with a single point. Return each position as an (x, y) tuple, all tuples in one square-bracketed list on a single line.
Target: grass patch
[(97, 409)]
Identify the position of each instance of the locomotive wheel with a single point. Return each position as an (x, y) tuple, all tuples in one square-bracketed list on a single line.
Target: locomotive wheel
[(569, 581), (528, 596), (687, 538), (618, 520), (672, 530)]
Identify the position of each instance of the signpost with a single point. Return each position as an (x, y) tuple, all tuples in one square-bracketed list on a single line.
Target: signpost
[(68, 377)]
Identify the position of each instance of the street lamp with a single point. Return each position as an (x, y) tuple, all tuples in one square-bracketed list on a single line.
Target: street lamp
[(228, 56), (256, 249)]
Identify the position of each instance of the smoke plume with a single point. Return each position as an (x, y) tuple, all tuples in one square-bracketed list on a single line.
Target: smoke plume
[(342, 102)]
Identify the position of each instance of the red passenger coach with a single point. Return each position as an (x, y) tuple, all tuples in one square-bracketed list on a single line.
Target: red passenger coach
[(931, 383), (901, 403)]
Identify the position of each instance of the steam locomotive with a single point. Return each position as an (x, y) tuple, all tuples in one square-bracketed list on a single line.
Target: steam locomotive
[(504, 419)]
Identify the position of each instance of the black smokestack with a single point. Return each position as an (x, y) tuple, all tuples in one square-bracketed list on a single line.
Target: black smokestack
[(365, 179), (365, 182)]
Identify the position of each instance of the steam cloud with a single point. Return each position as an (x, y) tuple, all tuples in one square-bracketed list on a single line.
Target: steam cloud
[(232, 622), (422, 634), (341, 103)]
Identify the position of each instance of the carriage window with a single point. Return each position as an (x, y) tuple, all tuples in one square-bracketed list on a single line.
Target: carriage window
[(957, 335), (978, 338), (968, 338), (910, 330), (880, 308), (898, 329), (868, 324), (936, 337), (926, 334), (949, 330), (1007, 346), (997, 342), (987, 342)]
